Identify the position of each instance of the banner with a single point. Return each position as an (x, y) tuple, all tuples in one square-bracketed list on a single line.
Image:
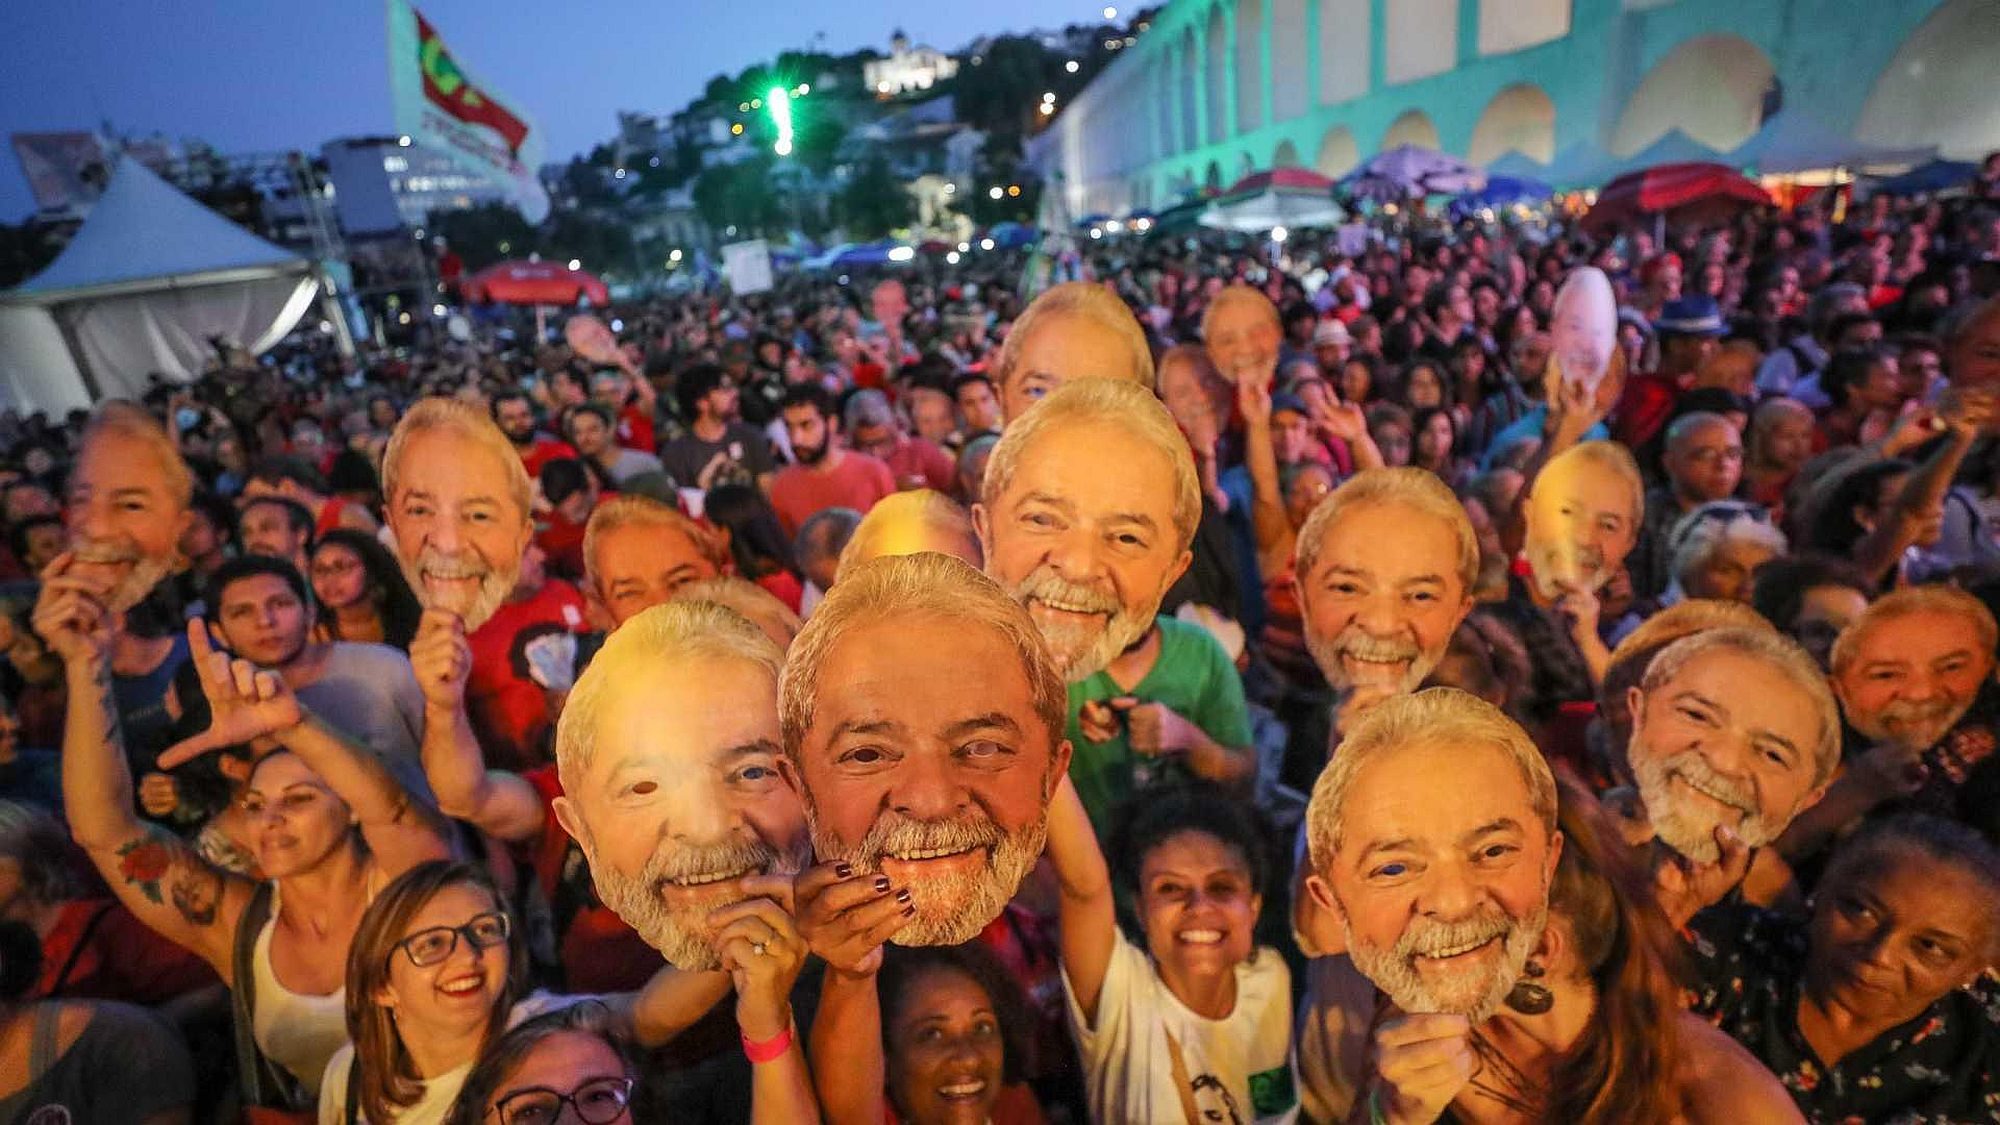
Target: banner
[(748, 266), (440, 106)]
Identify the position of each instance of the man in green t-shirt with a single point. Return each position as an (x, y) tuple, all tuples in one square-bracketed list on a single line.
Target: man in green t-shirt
[(1170, 709)]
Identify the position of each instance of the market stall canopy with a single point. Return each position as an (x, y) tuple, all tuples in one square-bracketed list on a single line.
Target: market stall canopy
[(150, 280), (1793, 141), (1925, 179), (1410, 172), (1673, 147), (1698, 192), (1282, 197), (1500, 191), (536, 283)]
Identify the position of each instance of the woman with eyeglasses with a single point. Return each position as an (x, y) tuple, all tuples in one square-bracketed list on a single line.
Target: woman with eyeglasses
[(576, 1064), (436, 970), (362, 590)]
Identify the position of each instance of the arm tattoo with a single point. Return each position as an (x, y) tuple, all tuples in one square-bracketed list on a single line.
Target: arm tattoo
[(154, 858)]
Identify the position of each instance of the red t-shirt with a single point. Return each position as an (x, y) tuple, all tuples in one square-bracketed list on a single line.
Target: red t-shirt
[(635, 428), (562, 541), (544, 450), (856, 482), (509, 710), (1644, 408), (783, 586), (99, 951)]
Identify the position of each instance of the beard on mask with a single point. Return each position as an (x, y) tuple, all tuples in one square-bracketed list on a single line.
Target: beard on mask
[(951, 907), (1079, 648), (678, 927), (1917, 726), (1377, 656), (1471, 992), (1687, 823), (1556, 564), (475, 606), (141, 574)]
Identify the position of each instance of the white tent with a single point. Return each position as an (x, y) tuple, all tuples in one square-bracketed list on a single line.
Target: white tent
[(1795, 141), (150, 278)]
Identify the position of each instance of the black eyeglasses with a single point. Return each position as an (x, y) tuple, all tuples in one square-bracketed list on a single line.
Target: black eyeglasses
[(596, 1102), (428, 947)]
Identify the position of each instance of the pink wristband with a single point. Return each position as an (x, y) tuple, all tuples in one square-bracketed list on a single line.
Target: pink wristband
[(768, 1049)]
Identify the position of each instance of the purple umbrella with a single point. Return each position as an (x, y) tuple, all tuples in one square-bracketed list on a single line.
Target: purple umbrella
[(1410, 172)]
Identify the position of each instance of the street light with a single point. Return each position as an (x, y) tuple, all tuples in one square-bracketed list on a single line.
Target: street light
[(996, 193), (575, 264), (781, 118), (1072, 66)]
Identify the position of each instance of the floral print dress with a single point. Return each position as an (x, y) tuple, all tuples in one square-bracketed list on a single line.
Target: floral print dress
[(1939, 1067)]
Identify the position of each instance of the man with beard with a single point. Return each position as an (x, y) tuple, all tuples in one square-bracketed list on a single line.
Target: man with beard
[(1076, 330), (458, 507), (127, 509), (923, 723), (514, 413), (1384, 575), (825, 474), (1733, 733), (1240, 330), (1089, 505), (1433, 841), (1909, 672)]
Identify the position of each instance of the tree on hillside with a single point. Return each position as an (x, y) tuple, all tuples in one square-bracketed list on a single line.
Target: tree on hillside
[(875, 202)]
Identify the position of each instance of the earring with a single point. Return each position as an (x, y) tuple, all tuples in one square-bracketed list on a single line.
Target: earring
[(1527, 997)]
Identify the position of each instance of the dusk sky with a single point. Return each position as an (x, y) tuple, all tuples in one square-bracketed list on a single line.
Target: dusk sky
[(253, 76)]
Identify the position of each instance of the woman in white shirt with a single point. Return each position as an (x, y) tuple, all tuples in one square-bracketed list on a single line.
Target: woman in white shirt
[(1197, 1025), (435, 973)]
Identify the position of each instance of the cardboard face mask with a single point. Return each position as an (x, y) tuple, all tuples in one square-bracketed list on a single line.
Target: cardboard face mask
[(1583, 331), (456, 514), (918, 708)]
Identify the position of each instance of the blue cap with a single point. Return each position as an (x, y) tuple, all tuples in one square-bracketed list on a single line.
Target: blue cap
[(1690, 316)]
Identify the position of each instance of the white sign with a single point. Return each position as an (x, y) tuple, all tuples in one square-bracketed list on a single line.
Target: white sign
[(747, 265)]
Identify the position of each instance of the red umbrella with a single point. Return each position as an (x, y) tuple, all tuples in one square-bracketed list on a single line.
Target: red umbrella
[(1697, 192), (536, 283)]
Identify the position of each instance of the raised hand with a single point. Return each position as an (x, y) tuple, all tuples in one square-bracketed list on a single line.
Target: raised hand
[(1154, 729), (1097, 721), (762, 951), (1421, 1063), (1684, 888), (246, 703), (845, 916), (1343, 420), (441, 657), (70, 613)]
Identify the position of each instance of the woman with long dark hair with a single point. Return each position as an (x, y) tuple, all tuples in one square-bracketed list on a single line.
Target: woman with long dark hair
[(362, 593), (757, 544)]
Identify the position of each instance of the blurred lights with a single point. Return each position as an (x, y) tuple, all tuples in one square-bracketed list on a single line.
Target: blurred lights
[(402, 142), (506, 246), (964, 246), (1013, 189), (575, 264), (902, 253), (1113, 226), (1072, 66), (675, 256), (402, 318), (437, 310), (996, 193), (736, 130), (1047, 109), (986, 244), (1097, 232), (618, 326), (619, 174), (1110, 13), (951, 258), (1279, 234)]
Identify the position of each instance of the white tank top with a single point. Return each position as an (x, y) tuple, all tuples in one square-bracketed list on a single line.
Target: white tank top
[(295, 1030)]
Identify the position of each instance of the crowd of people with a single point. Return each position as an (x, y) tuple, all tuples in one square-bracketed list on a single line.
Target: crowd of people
[(1233, 687)]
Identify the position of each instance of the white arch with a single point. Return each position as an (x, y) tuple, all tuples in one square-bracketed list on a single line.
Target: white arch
[(1338, 154), (1519, 118), (1218, 75), (1290, 94), (1414, 127), (1710, 87), (1249, 65), (1941, 86)]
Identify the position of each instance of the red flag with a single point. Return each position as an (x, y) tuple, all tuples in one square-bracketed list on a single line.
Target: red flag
[(446, 87)]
